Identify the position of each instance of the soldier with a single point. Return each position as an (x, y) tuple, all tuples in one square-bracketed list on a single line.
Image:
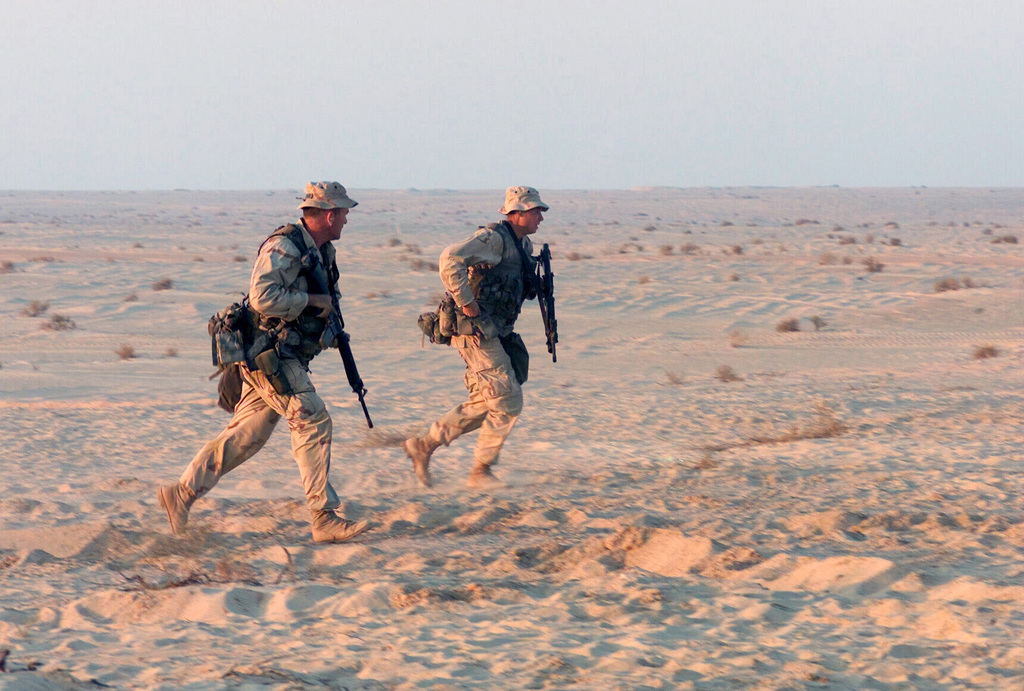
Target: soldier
[(487, 276), (292, 260)]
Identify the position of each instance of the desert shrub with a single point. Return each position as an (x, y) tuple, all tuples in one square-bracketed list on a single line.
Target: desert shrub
[(1008, 239), (818, 322), (644, 280), (574, 256), (689, 248), (824, 425), (171, 352), (985, 351), (805, 222), (35, 308), (847, 259), (418, 264), (58, 322), (827, 259), (734, 277), (198, 258), (650, 228), (43, 259), (727, 374), (727, 224), (847, 240), (788, 325), (869, 238), (665, 250), (895, 242), (6, 267), (968, 282), (892, 224), (394, 242), (674, 379), (872, 264), (412, 249), (125, 351), (738, 339), (737, 249), (948, 283), (163, 284), (239, 258), (131, 297)]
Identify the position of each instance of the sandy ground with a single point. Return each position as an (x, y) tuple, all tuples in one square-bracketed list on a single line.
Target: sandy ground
[(695, 499)]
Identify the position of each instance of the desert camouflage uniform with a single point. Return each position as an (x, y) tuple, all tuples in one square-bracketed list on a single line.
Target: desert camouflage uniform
[(487, 268), (279, 289)]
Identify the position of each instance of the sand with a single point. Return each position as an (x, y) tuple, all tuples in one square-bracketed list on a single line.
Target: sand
[(695, 499)]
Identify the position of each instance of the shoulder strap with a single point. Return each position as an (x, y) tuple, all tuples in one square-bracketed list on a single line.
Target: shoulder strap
[(527, 264)]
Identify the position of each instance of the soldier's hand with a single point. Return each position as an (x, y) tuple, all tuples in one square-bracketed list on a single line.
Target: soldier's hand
[(471, 310), (322, 303)]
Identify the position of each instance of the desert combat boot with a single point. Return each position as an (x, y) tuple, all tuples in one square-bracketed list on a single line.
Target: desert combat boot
[(330, 527), (176, 500), (481, 477), (419, 450)]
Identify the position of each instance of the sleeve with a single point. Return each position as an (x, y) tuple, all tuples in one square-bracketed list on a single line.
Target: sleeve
[(272, 288), (485, 247)]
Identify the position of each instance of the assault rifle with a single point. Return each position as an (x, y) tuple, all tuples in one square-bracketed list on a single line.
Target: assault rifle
[(336, 324), (545, 285)]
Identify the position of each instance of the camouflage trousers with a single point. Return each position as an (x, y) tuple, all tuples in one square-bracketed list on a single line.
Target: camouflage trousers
[(255, 418), (495, 399)]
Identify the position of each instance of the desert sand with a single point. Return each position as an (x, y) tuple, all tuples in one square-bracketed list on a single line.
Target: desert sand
[(695, 499)]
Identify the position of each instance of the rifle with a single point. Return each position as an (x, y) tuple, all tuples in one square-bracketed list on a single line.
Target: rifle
[(351, 371), (336, 323), (544, 281)]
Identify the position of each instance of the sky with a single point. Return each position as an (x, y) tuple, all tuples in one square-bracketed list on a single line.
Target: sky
[(479, 94)]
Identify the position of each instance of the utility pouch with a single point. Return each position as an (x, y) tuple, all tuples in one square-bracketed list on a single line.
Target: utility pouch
[(441, 325), (515, 348), (270, 364), (229, 330), (482, 326)]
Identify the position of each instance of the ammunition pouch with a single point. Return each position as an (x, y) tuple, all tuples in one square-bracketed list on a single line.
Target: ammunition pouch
[(269, 363)]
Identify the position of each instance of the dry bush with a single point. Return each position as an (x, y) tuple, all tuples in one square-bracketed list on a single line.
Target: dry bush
[(650, 228), (125, 351), (968, 282), (727, 374), (737, 249), (827, 259), (788, 325), (574, 256), (1008, 239), (869, 238), (738, 339), (665, 250), (394, 242), (734, 277), (6, 267), (689, 248), (58, 322), (895, 242), (948, 283), (171, 352), (43, 259), (412, 249), (818, 322), (892, 224), (422, 265), (644, 280), (163, 284), (239, 258), (872, 264), (727, 224), (197, 258), (847, 260), (824, 425), (847, 240), (131, 297), (805, 222), (36, 308), (674, 379), (985, 351)]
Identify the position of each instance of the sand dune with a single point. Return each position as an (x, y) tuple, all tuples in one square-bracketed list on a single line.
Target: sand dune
[(695, 499)]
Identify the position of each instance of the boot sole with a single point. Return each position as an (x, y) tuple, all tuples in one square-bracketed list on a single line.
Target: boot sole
[(337, 540)]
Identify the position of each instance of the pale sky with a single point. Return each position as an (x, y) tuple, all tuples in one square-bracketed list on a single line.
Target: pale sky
[(475, 94)]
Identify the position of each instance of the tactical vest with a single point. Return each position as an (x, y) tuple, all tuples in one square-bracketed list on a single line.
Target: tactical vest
[(503, 289), (300, 338)]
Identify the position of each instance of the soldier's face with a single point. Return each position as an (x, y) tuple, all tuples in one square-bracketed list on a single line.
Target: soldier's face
[(526, 222), (339, 217)]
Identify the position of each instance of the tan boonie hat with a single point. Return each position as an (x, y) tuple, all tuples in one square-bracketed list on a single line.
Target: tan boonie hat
[(326, 195), (521, 198)]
